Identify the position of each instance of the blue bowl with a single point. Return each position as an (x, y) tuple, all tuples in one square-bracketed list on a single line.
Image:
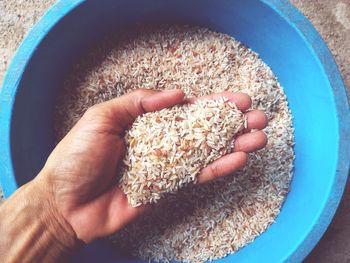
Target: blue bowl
[(283, 37)]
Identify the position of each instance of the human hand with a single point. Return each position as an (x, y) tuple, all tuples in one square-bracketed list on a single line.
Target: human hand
[(79, 177)]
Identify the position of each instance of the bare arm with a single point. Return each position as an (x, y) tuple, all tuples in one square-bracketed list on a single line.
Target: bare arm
[(30, 229)]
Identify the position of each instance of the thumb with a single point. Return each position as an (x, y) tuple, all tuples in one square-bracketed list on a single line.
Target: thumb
[(123, 110)]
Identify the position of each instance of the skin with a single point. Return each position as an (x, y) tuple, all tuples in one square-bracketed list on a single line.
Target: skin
[(75, 197)]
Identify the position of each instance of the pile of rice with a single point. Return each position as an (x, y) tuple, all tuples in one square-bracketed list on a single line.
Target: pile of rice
[(167, 149), (208, 222)]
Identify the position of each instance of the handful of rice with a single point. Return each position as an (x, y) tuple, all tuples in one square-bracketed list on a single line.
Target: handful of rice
[(167, 149)]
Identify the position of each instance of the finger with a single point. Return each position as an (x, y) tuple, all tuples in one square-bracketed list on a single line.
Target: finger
[(161, 100), (250, 142), (256, 119), (226, 165), (143, 100), (242, 100), (125, 109)]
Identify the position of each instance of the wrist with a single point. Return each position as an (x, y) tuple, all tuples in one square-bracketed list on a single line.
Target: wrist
[(32, 229), (50, 217)]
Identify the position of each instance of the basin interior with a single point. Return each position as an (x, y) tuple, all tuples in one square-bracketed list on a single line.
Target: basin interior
[(252, 22)]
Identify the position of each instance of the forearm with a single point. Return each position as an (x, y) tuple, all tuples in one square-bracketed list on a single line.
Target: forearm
[(30, 231)]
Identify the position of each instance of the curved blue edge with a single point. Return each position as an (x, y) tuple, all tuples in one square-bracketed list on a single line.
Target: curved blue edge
[(285, 9), (296, 19), (12, 77)]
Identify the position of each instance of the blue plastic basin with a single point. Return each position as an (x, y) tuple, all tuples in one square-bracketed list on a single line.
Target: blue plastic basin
[(282, 36)]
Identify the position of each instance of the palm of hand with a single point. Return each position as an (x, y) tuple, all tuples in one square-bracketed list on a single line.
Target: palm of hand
[(83, 168)]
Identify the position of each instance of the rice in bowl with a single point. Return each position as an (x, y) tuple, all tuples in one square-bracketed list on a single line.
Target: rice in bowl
[(208, 222)]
